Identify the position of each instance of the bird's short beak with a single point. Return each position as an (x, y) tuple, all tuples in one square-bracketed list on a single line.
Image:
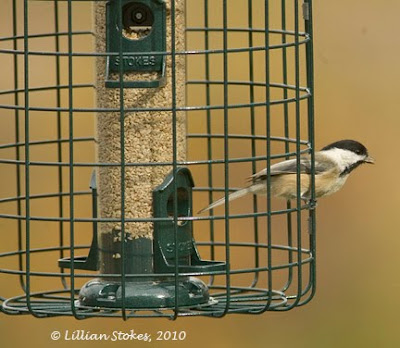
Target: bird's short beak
[(369, 159)]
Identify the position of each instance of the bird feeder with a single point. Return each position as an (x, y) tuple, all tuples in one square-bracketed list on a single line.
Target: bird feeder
[(105, 172)]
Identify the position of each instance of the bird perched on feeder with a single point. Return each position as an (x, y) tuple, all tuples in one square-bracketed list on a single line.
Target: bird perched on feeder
[(333, 165)]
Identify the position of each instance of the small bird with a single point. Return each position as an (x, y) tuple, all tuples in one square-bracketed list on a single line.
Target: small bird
[(333, 165)]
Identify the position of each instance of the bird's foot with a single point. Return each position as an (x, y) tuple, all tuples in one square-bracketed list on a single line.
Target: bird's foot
[(312, 203)]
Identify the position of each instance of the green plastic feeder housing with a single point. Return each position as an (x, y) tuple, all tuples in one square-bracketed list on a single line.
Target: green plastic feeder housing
[(167, 246), (143, 42), (173, 240)]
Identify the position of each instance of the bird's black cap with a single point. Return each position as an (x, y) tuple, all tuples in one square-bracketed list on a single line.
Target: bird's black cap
[(350, 145)]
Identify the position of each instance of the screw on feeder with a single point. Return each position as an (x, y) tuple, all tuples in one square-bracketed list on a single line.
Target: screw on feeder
[(139, 17), (137, 14)]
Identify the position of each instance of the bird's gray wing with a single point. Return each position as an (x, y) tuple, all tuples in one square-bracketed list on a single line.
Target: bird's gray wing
[(290, 167)]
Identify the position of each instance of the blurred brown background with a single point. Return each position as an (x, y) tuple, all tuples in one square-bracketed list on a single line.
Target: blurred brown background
[(357, 50)]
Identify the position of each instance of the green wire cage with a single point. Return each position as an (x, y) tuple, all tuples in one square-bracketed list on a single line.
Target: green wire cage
[(121, 119)]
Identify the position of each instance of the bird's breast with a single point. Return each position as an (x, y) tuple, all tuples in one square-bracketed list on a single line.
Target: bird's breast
[(328, 183)]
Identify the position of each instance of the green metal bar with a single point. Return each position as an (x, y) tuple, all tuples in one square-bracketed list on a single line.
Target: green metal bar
[(71, 160), (174, 158), (27, 168), (311, 134), (247, 137), (286, 126), (17, 137), (149, 164), (268, 152), (226, 156), (186, 108), (155, 275), (122, 159), (46, 88), (35, 36), (298, 135), (209, 130), (300, 292), (43, 142), (310, 287), (155, 53), (215, 217), (250, 83), (59, 136), (253, 139), (45, 195), (207, 243), (244, 30)]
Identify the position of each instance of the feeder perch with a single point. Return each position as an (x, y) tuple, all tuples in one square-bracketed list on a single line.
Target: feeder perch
[(90, 262)]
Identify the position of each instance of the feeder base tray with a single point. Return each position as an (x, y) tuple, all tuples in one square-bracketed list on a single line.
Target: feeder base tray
[(144, 294)]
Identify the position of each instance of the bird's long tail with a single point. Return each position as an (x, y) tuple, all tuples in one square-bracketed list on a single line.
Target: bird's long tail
[(234, 195)]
